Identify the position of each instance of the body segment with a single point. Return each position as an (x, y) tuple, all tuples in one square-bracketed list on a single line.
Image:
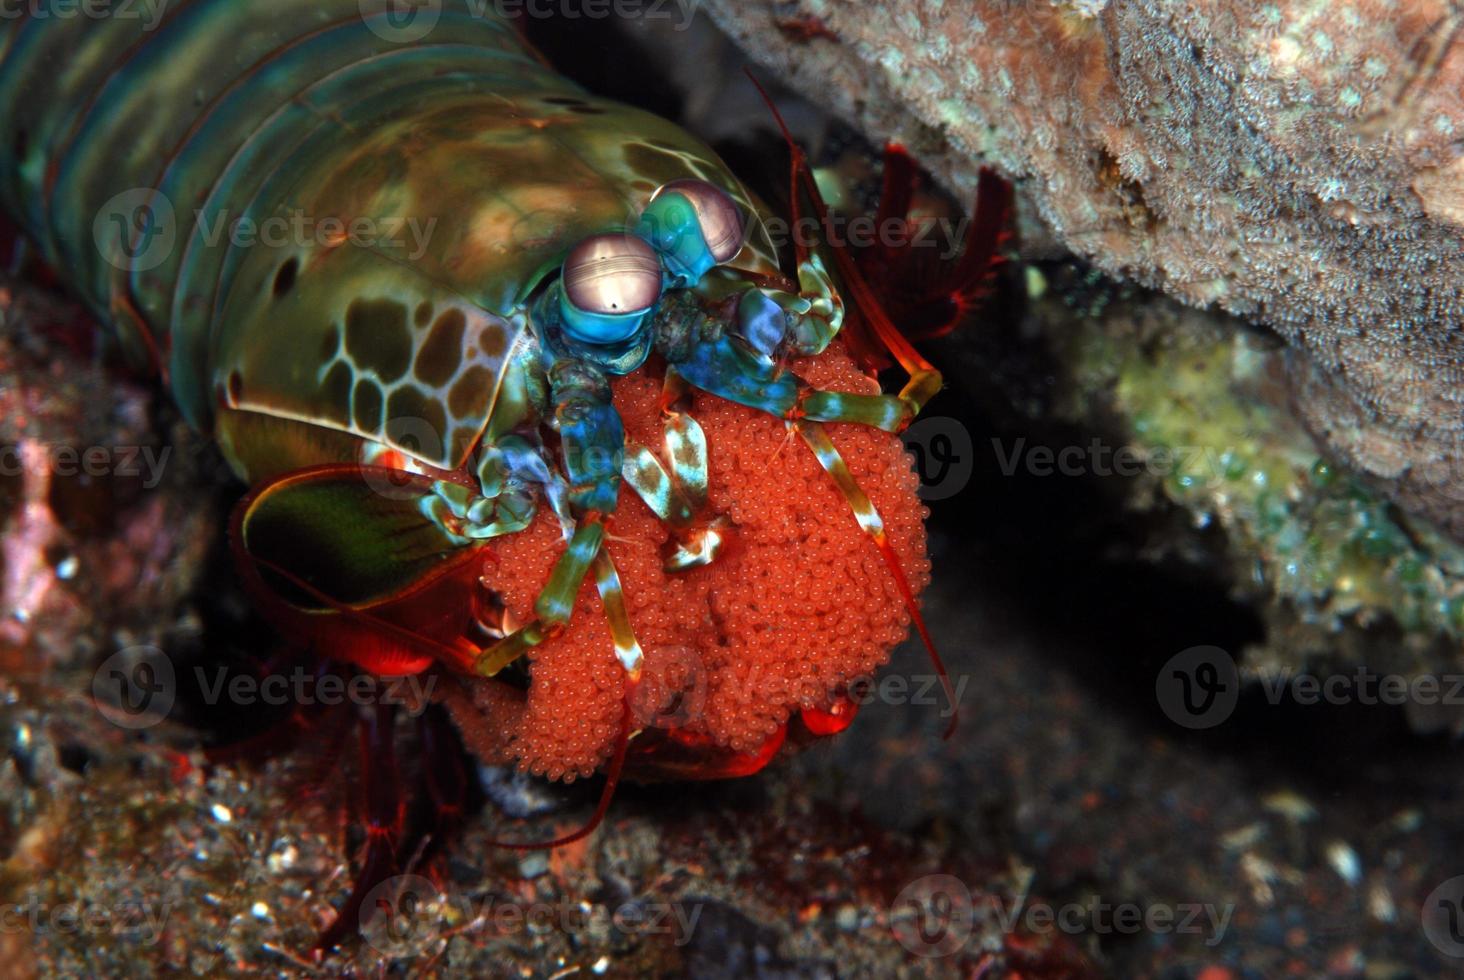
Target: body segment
[(511, 371), (397, 275)]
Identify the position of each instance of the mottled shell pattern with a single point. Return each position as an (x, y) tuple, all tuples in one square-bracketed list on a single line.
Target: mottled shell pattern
[(412, 179)]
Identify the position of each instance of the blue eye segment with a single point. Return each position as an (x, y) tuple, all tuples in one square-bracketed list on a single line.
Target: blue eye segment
[(599, 328), (671, 225)]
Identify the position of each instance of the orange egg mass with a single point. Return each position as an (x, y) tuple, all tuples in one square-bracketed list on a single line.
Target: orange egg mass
[(798, 605)]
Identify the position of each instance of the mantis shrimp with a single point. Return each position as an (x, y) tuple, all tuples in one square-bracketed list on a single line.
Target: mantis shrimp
[(402, 415)]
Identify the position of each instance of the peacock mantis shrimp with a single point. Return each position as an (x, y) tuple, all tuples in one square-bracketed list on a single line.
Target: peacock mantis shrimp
[(400, 404)]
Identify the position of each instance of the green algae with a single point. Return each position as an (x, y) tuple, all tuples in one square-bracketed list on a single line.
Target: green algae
[(1205, 404)]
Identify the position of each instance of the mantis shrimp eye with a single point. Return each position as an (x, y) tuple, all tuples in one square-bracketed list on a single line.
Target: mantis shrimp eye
[(692, 226), (718, 218), (612, 274), (610, 282)]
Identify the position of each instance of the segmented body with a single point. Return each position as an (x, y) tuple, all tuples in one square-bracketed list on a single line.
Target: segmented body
[(336, 231), (408, 278), (228, 115)]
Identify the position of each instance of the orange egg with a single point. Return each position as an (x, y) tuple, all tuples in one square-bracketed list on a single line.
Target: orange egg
[(802, 603)]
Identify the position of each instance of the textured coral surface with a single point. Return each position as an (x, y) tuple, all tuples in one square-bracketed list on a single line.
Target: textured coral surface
[(799, 603), (1297, 162), (1223, 477)]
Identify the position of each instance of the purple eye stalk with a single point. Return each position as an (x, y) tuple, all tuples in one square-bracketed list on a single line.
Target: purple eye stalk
[(611, 282), (718, 219)]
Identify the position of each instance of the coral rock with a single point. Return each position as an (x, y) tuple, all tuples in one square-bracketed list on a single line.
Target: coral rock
[(1296, 162)]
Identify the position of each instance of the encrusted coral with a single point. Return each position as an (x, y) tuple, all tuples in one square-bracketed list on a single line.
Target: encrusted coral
[(800, 603), (1185, 424), (1204, 403), (1297, 162)]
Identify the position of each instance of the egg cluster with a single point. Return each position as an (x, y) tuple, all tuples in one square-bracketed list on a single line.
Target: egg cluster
[(799, 603)]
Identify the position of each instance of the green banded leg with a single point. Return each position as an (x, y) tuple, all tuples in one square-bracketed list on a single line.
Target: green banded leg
[(891, 413), (872, 524), (732, 371), (555, 603), (627, 650), (592, 444)]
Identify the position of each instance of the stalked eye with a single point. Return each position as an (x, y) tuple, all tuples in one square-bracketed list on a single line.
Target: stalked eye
[(720, 221), (692, 226), (611, 274), (610, 282)]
